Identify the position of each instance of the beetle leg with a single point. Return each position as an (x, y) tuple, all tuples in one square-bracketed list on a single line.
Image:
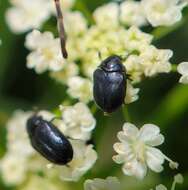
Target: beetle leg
[(61, 28), (54, 118)]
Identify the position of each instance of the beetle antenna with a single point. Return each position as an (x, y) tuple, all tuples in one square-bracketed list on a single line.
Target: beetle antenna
[(61, 28)]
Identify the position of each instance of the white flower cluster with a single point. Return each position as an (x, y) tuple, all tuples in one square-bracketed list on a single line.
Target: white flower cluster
[(136, 150), (25, 14), (108, 37), (130, 12), (77, 123), (162, 12), (46, 52)]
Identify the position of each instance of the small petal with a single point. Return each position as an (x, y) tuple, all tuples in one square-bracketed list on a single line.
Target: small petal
[(119, 159), (135, 168), (183, 68), (130, 130), (155, 159), (148, 132), (184, 79), (158, 140)]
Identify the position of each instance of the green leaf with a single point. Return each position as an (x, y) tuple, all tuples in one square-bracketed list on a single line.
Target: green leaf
[(172, 107)]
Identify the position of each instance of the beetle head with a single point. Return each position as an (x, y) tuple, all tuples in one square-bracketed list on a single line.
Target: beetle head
[(113, 64)]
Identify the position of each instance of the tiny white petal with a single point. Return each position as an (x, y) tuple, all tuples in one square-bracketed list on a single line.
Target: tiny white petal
[(119, 159), (155, 159), (149, 132), (135, 168), (130, 130), (184, 79), (183, 68)]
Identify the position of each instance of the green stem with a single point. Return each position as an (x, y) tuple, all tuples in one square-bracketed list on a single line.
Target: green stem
[(126, 114), (174, 68), (173, 185), (94, 109)]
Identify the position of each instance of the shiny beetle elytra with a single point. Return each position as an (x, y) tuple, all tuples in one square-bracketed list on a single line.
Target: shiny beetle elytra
[(49, 141), (110, 84)]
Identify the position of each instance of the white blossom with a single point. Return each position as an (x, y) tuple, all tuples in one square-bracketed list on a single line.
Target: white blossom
[(13, 168), (131, 93), (17, 138), (132, 13), (162, 12), (183, 70), (134, 67), (42, 183), (136, 40), (110, 183), (69, 70), (78, 120), (83, 159), (155, 61), (107, 15), (25, 14), (80, 88), (75, 23), (136, 150), (46, 52)]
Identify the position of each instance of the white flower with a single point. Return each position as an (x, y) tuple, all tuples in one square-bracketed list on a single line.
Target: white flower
[(110, 183), (17, 138), (13, 168), (135, 39), (42, 183), (131, 93), (46, 52), (162, 12), (183, 70), (75, 23), (137, 150), (132, 13), (79, 122), (80, 88), (69, 70), (134, 67), (155, 61), (84, 158), (25, 14), (107, 15)]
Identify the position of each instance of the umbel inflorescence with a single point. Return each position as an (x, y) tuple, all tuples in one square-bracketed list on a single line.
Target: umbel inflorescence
[(112, 30)]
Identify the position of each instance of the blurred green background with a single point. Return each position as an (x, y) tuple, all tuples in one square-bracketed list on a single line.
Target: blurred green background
[(162, 100)]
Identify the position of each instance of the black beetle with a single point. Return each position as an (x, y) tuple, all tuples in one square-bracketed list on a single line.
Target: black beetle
[(49, 141), (110, 84)]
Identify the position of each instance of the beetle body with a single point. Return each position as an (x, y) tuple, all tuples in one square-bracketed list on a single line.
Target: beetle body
[(110, 84), (49, 141)]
